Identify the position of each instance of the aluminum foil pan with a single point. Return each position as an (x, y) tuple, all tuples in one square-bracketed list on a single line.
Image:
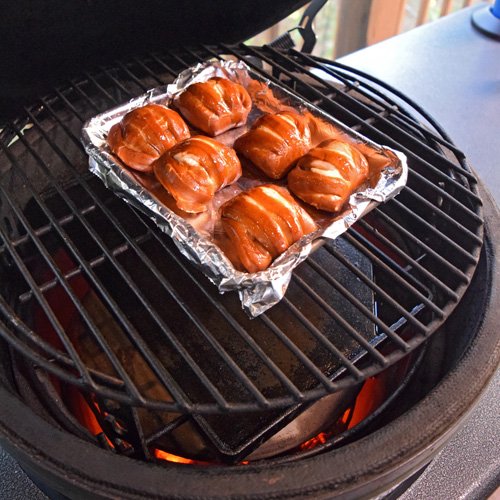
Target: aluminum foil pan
[(199, 236)]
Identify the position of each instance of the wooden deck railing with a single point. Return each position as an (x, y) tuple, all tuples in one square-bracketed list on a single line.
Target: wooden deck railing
[(344, 26)]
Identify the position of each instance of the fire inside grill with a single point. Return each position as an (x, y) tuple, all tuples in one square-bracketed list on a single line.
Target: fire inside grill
[(118, 323), (228, 438), (232, 437)]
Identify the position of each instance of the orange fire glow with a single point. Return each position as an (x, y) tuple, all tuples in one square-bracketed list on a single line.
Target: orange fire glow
[(163, 455), (319, 439), (371, 396)]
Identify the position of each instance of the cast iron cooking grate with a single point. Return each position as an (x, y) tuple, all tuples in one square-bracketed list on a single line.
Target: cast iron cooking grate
[(95, 295)]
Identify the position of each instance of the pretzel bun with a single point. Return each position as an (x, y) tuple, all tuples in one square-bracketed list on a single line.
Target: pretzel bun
[(195, 169), (144, 134), (214, 106), (262, 223), (327, 175), (275, 142)]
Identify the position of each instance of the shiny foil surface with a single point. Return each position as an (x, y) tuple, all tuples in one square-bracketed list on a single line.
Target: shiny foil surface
[(199, 237)]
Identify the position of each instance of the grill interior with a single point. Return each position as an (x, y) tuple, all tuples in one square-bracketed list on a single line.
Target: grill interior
[(95, 295)]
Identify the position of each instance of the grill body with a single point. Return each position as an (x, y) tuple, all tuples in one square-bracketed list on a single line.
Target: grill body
[(106, 32), (67, 241), (370, 465)]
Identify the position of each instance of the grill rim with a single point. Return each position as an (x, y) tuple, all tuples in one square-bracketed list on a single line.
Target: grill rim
[(278, 403)]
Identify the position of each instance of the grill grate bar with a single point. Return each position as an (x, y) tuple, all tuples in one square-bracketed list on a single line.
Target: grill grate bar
[(358, 104), (375, 288), (400, 279), (158, 368), (200, 58), (151, 73), (323, 341), (166, 430), (391, 106), (472, 259), (385, 139), (277, 372), (283, 379), (116, 83), (322, 378), (378, 357), (412, 262), (67, 104), (237, 328), (171, 71), (390, 267), (183, 62), (70, 134), (49, 349), (472, 237), (77, 361), (132, 77), (101, 89), (52, 353), (388, 298), (46, 364), (463, 210), (455, 271), (77, 271), (42, 231), (81, 93)]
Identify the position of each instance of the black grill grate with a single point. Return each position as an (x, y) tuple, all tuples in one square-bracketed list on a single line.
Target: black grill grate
[(83, 272)]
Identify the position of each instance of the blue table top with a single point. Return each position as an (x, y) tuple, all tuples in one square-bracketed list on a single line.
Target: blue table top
[(453, 72)]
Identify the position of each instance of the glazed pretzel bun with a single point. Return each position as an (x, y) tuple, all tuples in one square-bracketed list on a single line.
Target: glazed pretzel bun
[(327, 175), (262, 223), (195, 169), (144, 134), (275, 142), (214, 106)]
